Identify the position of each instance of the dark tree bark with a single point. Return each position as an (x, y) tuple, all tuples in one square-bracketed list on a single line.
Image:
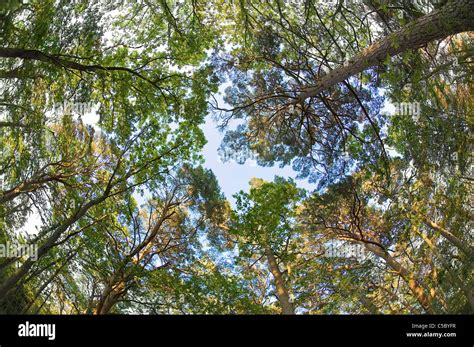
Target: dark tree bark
[(60, 61)]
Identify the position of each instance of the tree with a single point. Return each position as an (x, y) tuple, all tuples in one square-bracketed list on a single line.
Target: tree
[(306, 103), (264, 227), (100, 141), (398, 238), (71, 174)]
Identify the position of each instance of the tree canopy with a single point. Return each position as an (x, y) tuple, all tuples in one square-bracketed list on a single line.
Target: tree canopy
[(101, 111)]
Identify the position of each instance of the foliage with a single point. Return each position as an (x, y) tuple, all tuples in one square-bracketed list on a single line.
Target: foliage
[(100, 143)]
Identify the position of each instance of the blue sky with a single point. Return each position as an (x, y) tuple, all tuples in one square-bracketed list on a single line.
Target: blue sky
[(232, 176)]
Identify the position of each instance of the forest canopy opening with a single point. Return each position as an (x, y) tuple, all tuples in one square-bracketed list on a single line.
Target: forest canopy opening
[(366, 107)]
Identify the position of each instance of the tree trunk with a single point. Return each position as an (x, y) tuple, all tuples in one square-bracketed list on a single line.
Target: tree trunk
[(455, 17), (413, 284), (282, 291), (110, 297), (11, 281), (455, 280), (469, 251), (47, 283)]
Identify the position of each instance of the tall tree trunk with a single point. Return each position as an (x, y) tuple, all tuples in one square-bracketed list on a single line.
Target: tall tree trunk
[(469, 251), (282, 291), (110, 296), (47, 283), (417, 290), (11, 281), (455, 17), (454, 278)]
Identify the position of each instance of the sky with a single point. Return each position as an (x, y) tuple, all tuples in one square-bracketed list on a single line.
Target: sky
[(232, 176)]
